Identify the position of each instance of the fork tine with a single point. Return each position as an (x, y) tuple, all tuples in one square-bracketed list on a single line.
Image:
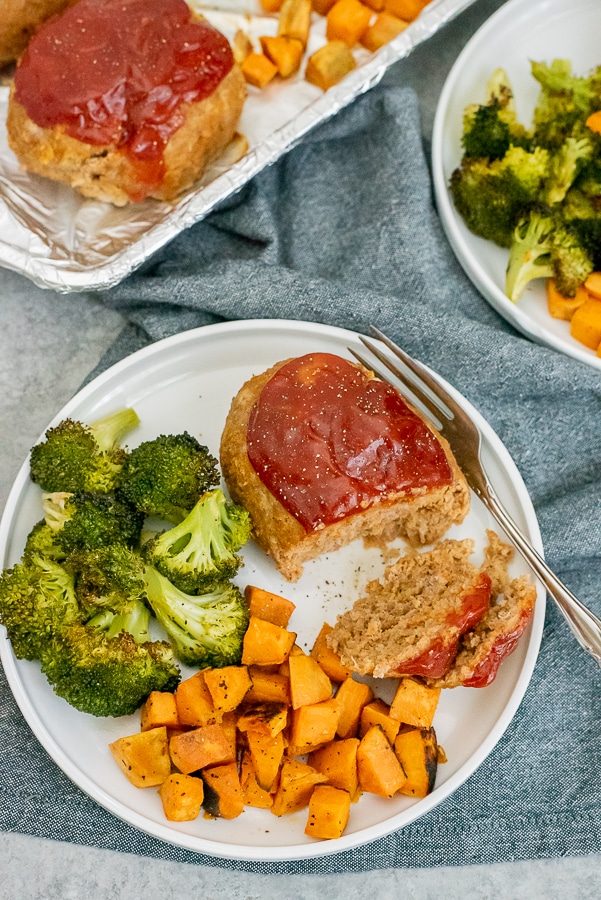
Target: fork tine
[(434, 410), (418, 369)]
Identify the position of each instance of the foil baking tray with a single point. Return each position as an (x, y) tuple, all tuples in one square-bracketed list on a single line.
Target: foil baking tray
[(62, 241)]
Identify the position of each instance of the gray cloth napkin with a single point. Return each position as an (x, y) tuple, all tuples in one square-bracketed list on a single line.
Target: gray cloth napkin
[(343, 231)]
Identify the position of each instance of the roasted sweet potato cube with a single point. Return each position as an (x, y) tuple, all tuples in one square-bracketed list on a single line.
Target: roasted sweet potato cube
[(376, 712), (414, 703), (194, 702), (338, 762), (229, 723), (322, 7), (329, 812), (294, 20), (312, 726), (258, 70), (267, 686), (266, 753), (286, 53), (266, 718), (561, 307), (296, 784), (261, 603), (208, 745), (271, 6), (252, 793), (351, 697), (376, 5), (143, 757), (222, 791), (327, 658), (347, 21), (585, 325), (328, 65), (593, 284), (227, 686), (159, 709), (308, 681), (182, 797), (266, 644), (405, 9), (417, 752), (385, 28), (379, 769), (284, 668)]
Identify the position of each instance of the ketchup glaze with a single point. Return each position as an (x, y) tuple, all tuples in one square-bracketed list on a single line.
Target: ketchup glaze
[(116, 72), (328, 441)]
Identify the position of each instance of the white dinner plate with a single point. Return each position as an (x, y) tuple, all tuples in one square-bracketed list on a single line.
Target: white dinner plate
[(520, 31), (186, 383)]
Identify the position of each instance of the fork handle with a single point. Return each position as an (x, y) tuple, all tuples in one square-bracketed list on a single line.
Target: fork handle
[(585, 626)]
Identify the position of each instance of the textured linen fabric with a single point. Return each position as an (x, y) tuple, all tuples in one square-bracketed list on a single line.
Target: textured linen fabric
[(343, 231)]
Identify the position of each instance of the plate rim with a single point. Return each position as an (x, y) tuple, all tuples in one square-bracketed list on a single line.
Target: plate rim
[(450, 218), (250, 852)]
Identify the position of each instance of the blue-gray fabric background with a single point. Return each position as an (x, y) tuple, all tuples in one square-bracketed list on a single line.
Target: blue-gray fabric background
[(343, 231)]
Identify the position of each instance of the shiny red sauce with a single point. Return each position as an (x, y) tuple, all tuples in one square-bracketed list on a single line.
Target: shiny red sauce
[(486, 671), (328, 442), (116, 72)]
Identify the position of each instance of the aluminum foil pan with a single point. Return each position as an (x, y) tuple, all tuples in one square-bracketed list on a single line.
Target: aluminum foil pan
[(62, 241)]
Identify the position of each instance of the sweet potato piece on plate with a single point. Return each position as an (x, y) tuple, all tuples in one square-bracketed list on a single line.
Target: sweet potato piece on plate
[(252, 793), (296, 784), (222, 791), (194, 702), (159, 709), (338, 762), (414, 703), (182, 797), (204, 746), (312, 726), (261, 603), (329, 811), (227, 686), (380, 771), (417, 751), (327, 658), (308, 681), (264, 718), (266, 644), (143, 757), (351, 697)]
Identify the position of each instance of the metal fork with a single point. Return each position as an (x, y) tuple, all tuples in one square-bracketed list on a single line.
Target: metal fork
[(465, 439)]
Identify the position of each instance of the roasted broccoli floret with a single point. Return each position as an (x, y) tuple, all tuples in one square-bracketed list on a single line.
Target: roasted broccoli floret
[(106, 577), (42, 541), (205, 630), (107, 676), (86, 521), (166, 476), (203, 549), (565, 164), (492, 196), (489, 129), (581, 212), (544, 248), (78, 457), (132, 617), (37, 599)]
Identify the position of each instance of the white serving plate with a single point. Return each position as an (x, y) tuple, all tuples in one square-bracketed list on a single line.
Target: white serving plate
[(520, 31), (186, 383), (62, 241)]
